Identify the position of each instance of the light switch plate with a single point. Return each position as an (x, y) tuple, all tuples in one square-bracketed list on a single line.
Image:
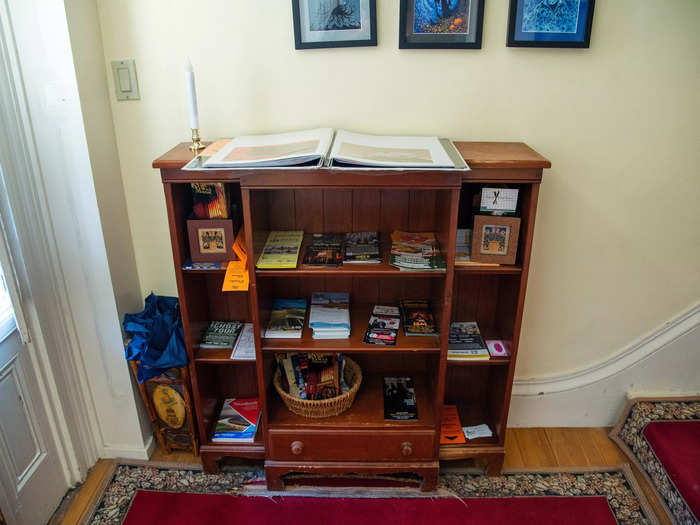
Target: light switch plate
[(126, 85)]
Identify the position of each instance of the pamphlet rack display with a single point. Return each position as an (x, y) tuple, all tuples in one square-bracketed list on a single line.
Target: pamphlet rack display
[(315, 200)]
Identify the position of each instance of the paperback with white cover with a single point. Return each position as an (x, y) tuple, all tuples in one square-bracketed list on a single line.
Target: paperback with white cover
[(245, 345), (383, 151), (284, 149)]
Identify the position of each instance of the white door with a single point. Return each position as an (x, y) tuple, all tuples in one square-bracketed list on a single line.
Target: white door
[(32, 482)]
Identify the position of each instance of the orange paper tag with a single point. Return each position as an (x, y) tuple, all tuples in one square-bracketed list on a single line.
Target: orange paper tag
[(239, 247), (451, 429), (236, 278)]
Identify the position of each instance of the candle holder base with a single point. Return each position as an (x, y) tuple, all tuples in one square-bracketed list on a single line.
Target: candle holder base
[(196, 141)]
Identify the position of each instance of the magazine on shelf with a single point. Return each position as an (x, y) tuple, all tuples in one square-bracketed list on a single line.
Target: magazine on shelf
[(245, 345), (399, 399), (308, 148), (362, 248), (286, 319), (281, 250), (465, 342), (329, 317), (356, 150), (238, 421), (383, 326)]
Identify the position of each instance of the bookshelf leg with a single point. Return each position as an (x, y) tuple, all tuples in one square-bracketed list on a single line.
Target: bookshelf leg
[(430, 481), (210, 463), (274, 479), (494, 465)]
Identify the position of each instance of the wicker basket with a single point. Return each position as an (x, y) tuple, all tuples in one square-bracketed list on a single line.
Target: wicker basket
[(324, 407)]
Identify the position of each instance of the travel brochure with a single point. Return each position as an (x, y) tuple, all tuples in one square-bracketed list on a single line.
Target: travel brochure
[(238, 421), (324, 147)]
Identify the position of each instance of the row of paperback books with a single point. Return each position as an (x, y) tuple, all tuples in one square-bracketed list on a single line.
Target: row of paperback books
[(329, 318), (409, 251), (235, 335)]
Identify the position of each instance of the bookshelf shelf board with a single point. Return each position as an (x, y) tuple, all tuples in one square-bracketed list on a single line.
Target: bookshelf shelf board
[(384, 269), (218, 355), (255, 450), (486, 269), (474, 448), (359, 319), (221, 271), (494, 361), (366, 413)]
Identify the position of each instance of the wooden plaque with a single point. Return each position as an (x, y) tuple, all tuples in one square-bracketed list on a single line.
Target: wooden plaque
[(495, 239)]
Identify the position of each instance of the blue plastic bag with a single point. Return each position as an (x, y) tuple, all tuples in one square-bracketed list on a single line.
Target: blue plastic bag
[(158, 341)]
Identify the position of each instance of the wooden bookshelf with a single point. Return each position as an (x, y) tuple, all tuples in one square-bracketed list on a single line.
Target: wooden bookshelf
[(319, 201)]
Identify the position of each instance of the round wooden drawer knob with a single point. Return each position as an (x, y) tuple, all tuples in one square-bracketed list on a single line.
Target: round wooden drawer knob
[(406, 448), (297, 447)]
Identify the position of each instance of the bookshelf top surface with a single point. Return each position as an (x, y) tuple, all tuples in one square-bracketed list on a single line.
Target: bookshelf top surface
[(479, 155)]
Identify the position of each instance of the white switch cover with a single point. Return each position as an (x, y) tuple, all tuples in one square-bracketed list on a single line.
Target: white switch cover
[(125, 84)]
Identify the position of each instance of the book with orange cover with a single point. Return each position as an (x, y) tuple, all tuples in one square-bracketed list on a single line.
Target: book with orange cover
[(451, 429)]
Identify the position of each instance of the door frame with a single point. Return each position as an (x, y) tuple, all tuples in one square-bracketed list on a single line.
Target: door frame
[(31, 246)]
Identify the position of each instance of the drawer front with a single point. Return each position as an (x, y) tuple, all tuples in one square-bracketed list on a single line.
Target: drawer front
[(351, 445)]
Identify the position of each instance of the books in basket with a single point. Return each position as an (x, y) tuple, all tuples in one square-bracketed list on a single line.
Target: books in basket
[(465, 342), (300, 148), (362, 247), (281, 250), (418, 318), (221, 334), (238, 421), (416, 252), (383, 326), (286, 319), (329, 317), (312, 376)]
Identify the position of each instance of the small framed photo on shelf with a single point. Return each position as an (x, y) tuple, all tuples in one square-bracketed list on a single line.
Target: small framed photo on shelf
[(495, 239), (211, 240), (550, 23), (441, 24), (334, 23)]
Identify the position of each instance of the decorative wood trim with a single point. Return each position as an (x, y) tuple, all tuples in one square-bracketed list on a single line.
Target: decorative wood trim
[(628, 357)]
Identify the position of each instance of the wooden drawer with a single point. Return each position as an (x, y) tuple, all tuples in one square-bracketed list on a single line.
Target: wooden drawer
[(351, 445)]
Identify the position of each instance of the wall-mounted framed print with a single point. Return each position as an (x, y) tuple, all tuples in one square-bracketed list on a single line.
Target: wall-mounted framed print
[(495, 239), (334, 23), (441, 24), (550, 23)]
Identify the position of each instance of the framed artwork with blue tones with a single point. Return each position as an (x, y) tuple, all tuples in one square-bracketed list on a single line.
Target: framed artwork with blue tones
[(441, 24), (334, 23), (550, 23)]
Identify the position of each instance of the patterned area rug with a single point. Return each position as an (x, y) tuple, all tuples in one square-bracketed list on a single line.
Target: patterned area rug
[(646, 433), (616, 485)]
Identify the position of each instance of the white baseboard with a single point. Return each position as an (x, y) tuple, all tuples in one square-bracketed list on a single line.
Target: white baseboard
[(144, 453), (664, 363)]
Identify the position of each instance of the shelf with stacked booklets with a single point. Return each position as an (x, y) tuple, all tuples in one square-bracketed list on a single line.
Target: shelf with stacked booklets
[(394, 421)]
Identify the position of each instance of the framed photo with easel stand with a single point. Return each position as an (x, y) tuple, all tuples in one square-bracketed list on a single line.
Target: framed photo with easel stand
[(495, 239)]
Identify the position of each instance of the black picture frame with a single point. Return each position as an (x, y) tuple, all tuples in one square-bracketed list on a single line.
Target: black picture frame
[(550, 39), (299, 43), (438, 41)]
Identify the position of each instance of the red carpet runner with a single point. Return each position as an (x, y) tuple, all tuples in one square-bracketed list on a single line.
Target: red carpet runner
[(677, 446), (171, 508)]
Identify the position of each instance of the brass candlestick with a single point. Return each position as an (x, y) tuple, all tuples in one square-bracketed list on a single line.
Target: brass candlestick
[(196, 141)]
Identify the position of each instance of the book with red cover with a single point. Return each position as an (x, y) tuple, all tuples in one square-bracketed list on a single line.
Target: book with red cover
[(238, 421)]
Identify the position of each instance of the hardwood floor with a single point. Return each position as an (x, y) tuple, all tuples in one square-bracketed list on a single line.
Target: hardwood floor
[(525, 448)]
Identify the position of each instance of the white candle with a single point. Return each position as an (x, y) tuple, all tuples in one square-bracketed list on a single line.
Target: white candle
[(191, 95)]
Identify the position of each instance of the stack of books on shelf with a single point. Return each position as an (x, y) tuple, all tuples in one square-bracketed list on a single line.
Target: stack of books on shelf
[(383, 326), (312, 376), (416, 252), (465, 342), (238, 421), (325, 250), (281, 250), (286, 319), (362, 247), (464, 246), (329, 317), (417, 318), (245, 345), (221, 334)]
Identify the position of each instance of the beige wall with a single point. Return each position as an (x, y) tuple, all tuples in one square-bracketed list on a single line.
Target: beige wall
[(617, 248)]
